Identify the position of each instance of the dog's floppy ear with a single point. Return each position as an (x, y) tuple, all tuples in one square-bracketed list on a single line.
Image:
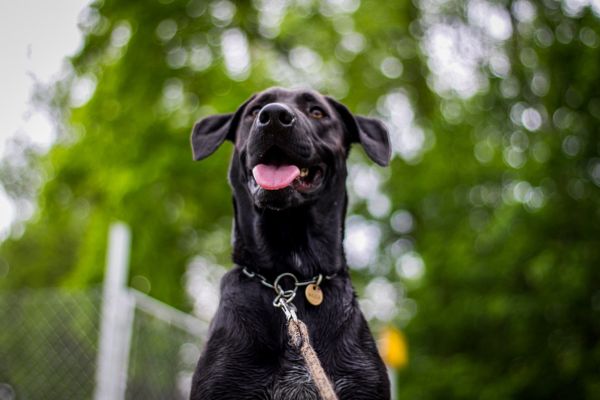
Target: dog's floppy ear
[(369, 132), (210, 132)]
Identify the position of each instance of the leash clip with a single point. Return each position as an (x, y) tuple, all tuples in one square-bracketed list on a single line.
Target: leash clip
[(289, 309)]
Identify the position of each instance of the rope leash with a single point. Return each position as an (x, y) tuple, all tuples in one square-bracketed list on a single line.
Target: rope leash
[(298, 335), (297, 331)]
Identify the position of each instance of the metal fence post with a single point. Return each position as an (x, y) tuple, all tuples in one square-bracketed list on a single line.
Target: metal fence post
[(393, 375), (116, 318)]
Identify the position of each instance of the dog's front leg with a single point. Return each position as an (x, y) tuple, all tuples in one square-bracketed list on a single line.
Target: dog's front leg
[(228, 370)]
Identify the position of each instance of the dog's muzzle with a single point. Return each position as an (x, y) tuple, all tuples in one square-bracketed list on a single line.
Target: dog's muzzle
[(280, 154)]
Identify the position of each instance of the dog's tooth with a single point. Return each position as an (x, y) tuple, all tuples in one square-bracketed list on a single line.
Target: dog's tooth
[(304, 172)]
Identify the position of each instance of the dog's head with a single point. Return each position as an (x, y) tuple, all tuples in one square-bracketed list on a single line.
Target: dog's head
[(290, 145)]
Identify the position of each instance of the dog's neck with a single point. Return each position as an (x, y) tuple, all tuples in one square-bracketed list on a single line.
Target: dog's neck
[(305, 240)]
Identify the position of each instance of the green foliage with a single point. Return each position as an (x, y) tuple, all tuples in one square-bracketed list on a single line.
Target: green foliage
[(502, 191)]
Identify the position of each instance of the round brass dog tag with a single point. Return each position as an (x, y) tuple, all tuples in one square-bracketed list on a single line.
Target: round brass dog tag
[(314, 294)]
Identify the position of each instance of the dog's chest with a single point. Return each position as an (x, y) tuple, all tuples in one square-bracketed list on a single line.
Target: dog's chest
[(294, 383)]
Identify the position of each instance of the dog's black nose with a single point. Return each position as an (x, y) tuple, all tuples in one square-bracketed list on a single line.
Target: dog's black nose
[(276, 114)]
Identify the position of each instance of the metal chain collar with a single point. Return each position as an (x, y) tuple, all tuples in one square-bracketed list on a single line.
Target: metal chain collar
[(283, 298)]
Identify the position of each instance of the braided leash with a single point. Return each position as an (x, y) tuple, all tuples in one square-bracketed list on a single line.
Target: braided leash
[(297, 331)]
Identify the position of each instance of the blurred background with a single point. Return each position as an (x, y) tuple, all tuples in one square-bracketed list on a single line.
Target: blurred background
[(476, 255)]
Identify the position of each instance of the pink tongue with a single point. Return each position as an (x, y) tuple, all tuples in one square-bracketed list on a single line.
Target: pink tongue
[(272, 177)]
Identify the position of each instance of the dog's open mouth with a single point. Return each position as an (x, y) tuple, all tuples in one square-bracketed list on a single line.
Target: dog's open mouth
[(276, 177)]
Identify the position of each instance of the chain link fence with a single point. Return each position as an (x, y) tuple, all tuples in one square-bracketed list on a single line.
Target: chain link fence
[(49, 341)]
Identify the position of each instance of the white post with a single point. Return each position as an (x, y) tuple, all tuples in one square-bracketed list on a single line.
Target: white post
[(392, 375), (116, 319)]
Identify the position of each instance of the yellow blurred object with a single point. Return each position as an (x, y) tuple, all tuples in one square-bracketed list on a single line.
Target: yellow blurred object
[(393, 347)]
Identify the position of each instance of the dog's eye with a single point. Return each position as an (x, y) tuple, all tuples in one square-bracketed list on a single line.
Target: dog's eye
[(317, 112), (254, 112)]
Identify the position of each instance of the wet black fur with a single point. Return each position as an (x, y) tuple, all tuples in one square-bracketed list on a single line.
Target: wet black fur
[(247, 355)]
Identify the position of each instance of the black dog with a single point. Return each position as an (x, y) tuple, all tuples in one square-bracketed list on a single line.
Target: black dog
[(288, 174)]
